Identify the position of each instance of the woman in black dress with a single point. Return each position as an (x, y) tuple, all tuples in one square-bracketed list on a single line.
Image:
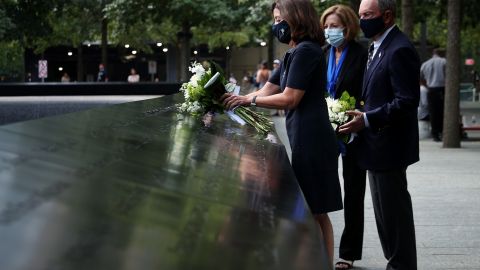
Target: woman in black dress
[(299, 86)]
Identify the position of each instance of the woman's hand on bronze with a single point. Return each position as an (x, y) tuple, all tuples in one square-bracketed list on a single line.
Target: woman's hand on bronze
[(231, 101)]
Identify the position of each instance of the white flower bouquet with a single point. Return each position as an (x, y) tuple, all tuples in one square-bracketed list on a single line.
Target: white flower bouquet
[(337, 112), (205, 88)]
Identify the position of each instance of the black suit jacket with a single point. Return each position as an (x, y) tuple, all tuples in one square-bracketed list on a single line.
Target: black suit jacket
[(351, 75), (390, 96)]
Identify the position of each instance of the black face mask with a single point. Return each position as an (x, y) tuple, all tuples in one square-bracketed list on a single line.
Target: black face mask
[(372, 27), (281, 30)]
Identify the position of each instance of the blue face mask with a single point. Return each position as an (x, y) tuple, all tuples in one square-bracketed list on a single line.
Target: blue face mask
[(281, 30), (334, 36), (372, 27)]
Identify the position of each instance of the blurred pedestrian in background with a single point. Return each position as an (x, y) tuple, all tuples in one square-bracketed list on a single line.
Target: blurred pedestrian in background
[(232, 79), (432, 74), (133, 77), (276, 64), (102, 73), (65, 77), (263, 73)]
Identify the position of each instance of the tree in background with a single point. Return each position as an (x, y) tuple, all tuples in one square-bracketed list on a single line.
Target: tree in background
[(104, 33), (259, 19), (71, 27), (39, 25), (140, 23), (29, 19), (5, 22), (217, 23), (22, 23), (408, 17), (451, 134), (10, 53), (187, 23)]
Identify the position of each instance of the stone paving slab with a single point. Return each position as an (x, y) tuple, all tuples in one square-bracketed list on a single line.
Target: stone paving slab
[(445, 187)]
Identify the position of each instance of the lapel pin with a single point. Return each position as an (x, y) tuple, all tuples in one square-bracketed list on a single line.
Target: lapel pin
[(379, 54)]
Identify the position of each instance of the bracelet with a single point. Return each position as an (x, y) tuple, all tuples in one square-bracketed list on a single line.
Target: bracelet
[(253, 104)]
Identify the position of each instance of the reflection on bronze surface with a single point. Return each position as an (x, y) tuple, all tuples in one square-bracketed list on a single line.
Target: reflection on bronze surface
[(138, 186)]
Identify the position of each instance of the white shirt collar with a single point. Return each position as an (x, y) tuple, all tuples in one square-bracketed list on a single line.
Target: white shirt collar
[(378, 42)]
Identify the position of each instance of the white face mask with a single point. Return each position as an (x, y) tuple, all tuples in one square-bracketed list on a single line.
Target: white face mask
[(334, 36)]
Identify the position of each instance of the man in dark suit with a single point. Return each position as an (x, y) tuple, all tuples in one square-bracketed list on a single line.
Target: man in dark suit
[(388, 129)]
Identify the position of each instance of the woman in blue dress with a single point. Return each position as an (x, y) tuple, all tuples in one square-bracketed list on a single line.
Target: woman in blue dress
[(299, 86)]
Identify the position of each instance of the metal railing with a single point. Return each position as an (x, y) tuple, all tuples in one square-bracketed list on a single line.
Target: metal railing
[(468, 93)]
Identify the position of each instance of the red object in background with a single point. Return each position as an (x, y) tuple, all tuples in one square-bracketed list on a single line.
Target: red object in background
[(469, 62)]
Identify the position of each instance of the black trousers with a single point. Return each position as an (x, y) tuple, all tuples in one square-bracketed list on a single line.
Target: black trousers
[(394, 217), (354, 181), (435, 97)]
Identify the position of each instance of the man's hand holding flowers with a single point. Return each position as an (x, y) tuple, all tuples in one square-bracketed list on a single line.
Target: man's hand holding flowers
[(356, 124)]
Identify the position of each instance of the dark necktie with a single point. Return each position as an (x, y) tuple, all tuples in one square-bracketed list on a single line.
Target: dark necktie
[(370, 55)]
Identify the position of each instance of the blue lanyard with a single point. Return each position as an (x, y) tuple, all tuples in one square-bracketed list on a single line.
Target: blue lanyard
[(333, 70)]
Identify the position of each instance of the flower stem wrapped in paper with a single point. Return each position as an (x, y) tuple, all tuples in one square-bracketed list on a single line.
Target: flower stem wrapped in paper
[(205, 88), (337, 109)]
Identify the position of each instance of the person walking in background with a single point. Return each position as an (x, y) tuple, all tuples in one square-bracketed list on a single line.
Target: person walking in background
[(65, 77), (299, 86), (133, 77), (276, 65), (423, 105), (432, 74), (254, 77), (102, 73), (422, 114), (387, 126), (475, 79), (346, 60), (232, 79), (263, 73), (29, 77), (247, 83)]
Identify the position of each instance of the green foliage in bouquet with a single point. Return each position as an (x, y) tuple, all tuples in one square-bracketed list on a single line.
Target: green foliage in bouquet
[(347, 101)]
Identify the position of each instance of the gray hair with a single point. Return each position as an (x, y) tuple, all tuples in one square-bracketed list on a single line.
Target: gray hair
[(391, 5)]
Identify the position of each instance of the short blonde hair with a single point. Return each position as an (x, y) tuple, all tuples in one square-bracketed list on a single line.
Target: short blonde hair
[(347, 16)]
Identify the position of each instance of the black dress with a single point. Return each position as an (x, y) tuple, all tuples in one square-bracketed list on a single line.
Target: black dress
[(313, 141)]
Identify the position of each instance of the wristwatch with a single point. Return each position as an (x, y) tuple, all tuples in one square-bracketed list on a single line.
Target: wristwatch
[(253, 104)]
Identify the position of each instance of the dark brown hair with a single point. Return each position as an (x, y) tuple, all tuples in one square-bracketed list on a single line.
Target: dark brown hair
[(274, 6), (303, 20)]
